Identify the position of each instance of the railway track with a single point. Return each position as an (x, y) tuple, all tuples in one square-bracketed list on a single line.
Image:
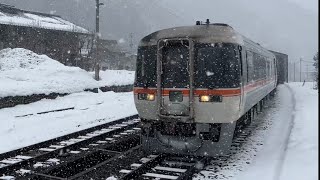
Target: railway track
[(98, 142), (165, 166), (110, 150)]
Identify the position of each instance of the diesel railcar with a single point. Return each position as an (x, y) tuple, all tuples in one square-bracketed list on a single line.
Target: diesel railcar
[(195, 86)]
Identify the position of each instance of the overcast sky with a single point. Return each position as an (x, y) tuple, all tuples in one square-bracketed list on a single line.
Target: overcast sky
[(307, 4), (288, 26)]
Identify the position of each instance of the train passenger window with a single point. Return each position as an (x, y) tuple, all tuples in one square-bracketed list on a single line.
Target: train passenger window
[(256, 64), (249, 66), (217, 67), (259, 66), (267, 69)]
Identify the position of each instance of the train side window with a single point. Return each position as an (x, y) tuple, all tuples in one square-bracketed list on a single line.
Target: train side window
[(256, 73), (263, 68), (268, 68), (274, 72), (250, 69), (259, 67)]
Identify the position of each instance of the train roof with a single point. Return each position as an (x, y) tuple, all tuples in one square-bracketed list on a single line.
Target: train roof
[(200, 33), (205, 33), (279, 53)]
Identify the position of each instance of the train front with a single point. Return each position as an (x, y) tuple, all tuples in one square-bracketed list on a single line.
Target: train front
[(187, 90)]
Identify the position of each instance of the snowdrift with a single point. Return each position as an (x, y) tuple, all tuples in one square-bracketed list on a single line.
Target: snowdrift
[(115, 78), (23, 72)]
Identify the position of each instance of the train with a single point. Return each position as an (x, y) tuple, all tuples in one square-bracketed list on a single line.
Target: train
[(197, 86), (282, 64)]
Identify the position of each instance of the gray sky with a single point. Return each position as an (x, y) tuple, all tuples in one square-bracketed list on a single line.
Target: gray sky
[(288, 26), (307, 4)]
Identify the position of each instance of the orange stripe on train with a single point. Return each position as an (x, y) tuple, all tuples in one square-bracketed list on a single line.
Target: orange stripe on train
[(185, 92), (222, 92)]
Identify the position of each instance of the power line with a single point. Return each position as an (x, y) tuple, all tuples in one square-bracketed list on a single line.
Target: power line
[(307, 61)]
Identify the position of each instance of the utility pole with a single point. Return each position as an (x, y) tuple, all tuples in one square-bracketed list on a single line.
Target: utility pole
[(97, 61), (294, 72), (131, 41), (300, 69), (307, 72)]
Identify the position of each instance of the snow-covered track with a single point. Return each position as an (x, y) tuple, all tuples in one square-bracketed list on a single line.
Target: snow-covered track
[(13, 161), (83, 161), (164, 166)]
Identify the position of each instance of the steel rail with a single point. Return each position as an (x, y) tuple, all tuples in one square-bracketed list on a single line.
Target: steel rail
[(23, 151)]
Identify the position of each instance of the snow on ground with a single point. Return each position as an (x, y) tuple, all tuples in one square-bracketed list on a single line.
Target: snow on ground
[(23, 72), (115, 77), (283, 147), (301, 159), (90, 109)]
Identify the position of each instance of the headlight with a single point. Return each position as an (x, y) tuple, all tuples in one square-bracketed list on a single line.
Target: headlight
[(207, 98), (148, 97), (204, 98)]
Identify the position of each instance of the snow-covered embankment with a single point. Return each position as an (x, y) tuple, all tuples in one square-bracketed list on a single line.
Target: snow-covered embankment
[(23, 73)]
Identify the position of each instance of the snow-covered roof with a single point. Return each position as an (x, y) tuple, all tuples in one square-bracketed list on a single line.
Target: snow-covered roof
[(10, 15)]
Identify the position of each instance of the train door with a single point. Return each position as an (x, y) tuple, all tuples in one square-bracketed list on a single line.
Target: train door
[(175, 78)]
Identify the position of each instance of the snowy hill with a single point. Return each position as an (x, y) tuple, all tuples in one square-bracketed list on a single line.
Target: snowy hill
[(23, 72)]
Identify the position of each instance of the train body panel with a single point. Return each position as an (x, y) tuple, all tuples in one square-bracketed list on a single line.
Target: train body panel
[(256, 94), (228, 110), (194, 84)]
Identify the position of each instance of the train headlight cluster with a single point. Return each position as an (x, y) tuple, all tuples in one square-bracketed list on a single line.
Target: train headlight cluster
[(148, 97), (207, 98)]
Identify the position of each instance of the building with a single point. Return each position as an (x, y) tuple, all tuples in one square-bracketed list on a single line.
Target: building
[(113, 56), (44, 34)]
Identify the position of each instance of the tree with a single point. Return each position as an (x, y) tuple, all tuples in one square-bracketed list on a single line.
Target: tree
[(316, 64)]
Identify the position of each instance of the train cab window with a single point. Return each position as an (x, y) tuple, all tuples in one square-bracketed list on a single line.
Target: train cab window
[(146, 67), (217, 66), (175, 65)]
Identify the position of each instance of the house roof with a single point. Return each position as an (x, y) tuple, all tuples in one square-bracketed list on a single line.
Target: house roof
[(11, 15)]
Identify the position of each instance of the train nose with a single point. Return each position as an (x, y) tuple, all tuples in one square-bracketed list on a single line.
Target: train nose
[(176, 109)]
